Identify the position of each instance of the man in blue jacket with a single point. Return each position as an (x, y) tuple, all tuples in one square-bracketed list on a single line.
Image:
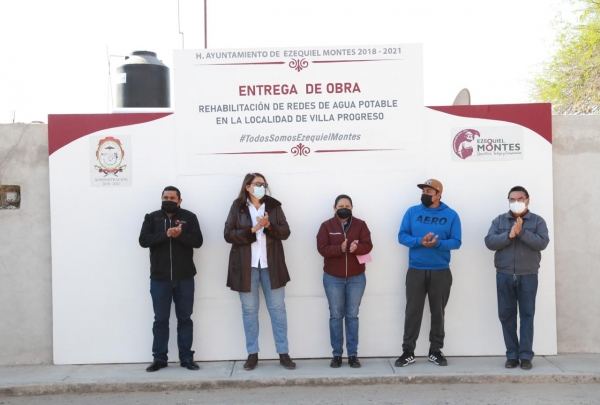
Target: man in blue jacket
[(430, 230), (172, 234), (518, 237)]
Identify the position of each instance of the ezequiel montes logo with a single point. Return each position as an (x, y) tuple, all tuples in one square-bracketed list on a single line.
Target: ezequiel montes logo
[(496, 143), (464, 141), (110, 155)]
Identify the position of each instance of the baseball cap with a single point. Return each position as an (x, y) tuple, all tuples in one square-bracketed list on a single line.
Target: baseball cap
[(433, 183)]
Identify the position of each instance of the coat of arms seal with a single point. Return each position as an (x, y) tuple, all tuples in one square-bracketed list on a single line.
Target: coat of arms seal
[(110, 155)]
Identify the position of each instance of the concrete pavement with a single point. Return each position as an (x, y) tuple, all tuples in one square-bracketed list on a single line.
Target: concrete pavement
[(51, 379)]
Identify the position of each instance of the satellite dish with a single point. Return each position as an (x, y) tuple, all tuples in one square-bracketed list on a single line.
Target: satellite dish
[(463, 98)]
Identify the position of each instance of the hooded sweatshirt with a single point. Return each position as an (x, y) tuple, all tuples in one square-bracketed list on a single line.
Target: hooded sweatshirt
[(418, 221)]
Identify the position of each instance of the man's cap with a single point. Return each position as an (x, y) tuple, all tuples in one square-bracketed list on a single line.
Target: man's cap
[(433, 183)]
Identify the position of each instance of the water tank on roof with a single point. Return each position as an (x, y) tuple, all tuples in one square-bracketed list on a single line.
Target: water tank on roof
[(143, 81)]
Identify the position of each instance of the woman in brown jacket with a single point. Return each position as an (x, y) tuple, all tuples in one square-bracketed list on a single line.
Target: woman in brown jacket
[(344, 241), (255, 227)]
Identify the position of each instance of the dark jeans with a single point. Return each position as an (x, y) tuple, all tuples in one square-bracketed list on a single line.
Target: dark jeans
[(513, 290), (435, 284), (182, 294)]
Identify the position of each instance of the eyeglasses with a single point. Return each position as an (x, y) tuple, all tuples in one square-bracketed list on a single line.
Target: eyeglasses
[(512, 200), (259, 184)]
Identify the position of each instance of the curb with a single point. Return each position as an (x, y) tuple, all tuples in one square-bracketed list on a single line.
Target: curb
[(122, 387)]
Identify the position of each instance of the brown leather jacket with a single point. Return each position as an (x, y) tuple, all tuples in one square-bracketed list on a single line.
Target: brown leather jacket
[(238, 232)]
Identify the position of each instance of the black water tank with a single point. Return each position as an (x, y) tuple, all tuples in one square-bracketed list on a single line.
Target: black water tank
[(143, 81)]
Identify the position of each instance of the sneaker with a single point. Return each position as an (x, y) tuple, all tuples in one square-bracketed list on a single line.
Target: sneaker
[(406, 359), (511, 363), (354, 362), (437, 358), (526, 364), (286, 362), (336, 362)]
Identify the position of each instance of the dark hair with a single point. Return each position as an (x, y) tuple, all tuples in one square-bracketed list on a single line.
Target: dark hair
[(518, 188), (248, 179), (342, 196), (171, 188)]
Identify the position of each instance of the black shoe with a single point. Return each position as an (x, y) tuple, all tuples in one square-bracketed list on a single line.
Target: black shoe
[(526, 364), (286, 362), (190, 365), (251, 362), (437, 358), (354, 362), (406, 359), (336, 362), (156, 365), (511, 363)]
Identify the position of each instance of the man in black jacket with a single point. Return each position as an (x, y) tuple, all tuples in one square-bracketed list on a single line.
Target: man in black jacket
[(171, 233)]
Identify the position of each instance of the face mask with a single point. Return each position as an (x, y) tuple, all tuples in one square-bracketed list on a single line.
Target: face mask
[(259, 192), (169, 206), (344, 213), (426, 200), (517, 207)]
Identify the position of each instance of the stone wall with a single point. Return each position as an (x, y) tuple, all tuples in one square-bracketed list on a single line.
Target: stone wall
[(25, 257)]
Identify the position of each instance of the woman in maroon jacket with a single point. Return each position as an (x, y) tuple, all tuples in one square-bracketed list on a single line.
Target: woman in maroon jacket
[(341, 241), (255, 227)]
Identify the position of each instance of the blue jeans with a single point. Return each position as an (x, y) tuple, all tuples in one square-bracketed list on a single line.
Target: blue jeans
[(344, 296), (512, 291), (182, 293), (275, 305)]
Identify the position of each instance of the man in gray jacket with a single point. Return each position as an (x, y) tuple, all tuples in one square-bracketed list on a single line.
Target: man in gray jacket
[(518, 237)]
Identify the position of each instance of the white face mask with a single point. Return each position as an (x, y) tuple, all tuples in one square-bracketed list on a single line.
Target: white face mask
[(259, 192), (517, 207)]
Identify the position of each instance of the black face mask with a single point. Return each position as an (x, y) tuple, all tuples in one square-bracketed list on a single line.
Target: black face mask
[(169, 206), (344, 213), (426, 200)]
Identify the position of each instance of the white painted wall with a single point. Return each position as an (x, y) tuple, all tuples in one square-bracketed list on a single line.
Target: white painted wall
[(100, 274)]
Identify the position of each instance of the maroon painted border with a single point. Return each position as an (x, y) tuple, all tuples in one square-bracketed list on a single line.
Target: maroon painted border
[(535, 116), (66, 128)]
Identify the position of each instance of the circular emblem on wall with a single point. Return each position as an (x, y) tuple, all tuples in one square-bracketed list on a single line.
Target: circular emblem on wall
[(464, 141), (110, 155)]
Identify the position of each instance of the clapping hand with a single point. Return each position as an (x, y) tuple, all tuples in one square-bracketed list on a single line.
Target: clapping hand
[(264, 220), (174, 232), (517, 227), (429, 240), (353, 246), (344, 245)]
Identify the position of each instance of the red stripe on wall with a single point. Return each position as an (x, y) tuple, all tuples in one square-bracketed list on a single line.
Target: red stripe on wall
[(536, 116), (66, 128)]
